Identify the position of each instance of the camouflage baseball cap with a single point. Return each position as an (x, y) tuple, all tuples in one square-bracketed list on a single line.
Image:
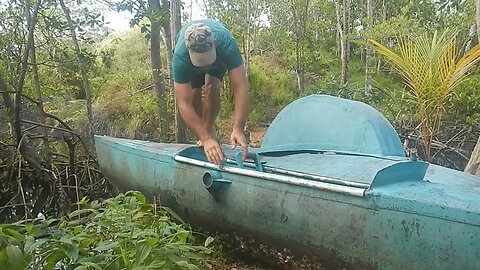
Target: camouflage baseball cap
[(200, 44)]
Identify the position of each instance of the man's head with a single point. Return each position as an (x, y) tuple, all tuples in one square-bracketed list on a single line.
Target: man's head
[(200, 44)]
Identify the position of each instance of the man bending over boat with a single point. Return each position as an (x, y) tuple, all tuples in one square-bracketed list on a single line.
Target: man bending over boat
[(205, 51)]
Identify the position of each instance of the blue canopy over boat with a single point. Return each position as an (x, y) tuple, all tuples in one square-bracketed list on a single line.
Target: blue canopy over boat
[(326, 123)]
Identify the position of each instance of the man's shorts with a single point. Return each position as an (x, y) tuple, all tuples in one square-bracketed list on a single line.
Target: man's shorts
[(198, 79)]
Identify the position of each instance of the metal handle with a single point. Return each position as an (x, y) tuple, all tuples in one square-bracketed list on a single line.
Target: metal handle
[(254, 156)]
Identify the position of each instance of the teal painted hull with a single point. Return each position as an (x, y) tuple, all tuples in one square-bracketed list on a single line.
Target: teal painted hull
[(330, 178), (426, 223)]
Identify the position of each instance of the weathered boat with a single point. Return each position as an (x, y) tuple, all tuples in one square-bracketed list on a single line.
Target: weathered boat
[(331, 177)]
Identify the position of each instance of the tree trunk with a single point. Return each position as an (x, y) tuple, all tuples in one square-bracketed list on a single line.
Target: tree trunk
[(176, 25), (32, 20), (45, 179), (346, 44), (175, 19), (300, 24), (342, 28), (298, 67), (473, 166), (168, 34), (40, 110), (384, 19), (369, 52), (83, 71), (155, 59), (155, 55), (7, 101)]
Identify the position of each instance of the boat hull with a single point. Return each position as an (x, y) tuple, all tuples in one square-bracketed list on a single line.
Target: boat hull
[(380, 230)]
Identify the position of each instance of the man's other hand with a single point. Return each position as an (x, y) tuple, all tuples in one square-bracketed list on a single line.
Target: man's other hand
[(213, 151), (238, 139)]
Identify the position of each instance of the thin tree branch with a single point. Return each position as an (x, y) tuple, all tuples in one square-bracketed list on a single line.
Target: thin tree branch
[(48, 126), (13, 205), (23, 95), (441, 146), (83, 71), (69, 128)]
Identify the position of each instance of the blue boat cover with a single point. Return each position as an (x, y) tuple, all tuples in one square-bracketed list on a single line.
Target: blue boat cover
[(326, 123)]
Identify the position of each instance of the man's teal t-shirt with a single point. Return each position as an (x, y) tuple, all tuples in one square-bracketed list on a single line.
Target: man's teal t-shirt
[(228, 53)]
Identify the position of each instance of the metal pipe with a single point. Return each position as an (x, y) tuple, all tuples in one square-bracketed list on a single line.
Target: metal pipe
[(306, 175), (353, 191), (212, 179)]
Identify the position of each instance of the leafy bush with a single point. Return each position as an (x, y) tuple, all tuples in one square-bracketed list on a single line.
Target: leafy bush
[(127, 233)]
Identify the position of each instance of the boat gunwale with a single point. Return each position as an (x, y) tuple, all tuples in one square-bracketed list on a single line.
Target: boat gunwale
[(333, 185), (348, 190)]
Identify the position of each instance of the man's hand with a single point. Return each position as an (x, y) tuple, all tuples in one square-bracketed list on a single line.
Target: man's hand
[(238, 139), (213, 151)]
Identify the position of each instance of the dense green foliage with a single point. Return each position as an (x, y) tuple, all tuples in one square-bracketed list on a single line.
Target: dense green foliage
[(124, 233)]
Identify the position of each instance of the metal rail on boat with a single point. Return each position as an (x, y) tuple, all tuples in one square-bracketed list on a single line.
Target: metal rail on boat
[(319, 183), (327, 179)]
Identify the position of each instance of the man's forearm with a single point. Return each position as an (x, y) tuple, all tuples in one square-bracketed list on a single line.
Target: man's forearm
[(241, 107), (192, 120)]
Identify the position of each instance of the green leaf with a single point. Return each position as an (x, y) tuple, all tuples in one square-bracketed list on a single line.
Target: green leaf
[(187, 265), (53, 259), (33, 230), (18, 236), (88, 265), (66, 240), (29, 226), (81, 212), (139, 215), (77, 229), (208, 241), (83, 201), (157, 264), (49, 222), (152, 241), (3, 257), (143, 250), (15, 254), (71, 251), (93, 259), (140, 268), (140, 197), (106, 245), (183, 236), (173, 214), (31, 244)]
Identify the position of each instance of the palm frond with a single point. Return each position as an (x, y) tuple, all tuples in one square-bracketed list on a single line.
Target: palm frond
[(430, 69)]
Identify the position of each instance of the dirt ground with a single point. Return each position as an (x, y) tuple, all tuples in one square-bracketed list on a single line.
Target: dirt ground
[(255, 136), (237, 252)]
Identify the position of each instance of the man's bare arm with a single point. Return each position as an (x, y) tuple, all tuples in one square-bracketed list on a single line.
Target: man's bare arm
[(184, 97), (239, 82)]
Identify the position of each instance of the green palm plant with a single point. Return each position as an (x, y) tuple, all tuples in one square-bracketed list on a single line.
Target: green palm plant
[(431, 69)]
